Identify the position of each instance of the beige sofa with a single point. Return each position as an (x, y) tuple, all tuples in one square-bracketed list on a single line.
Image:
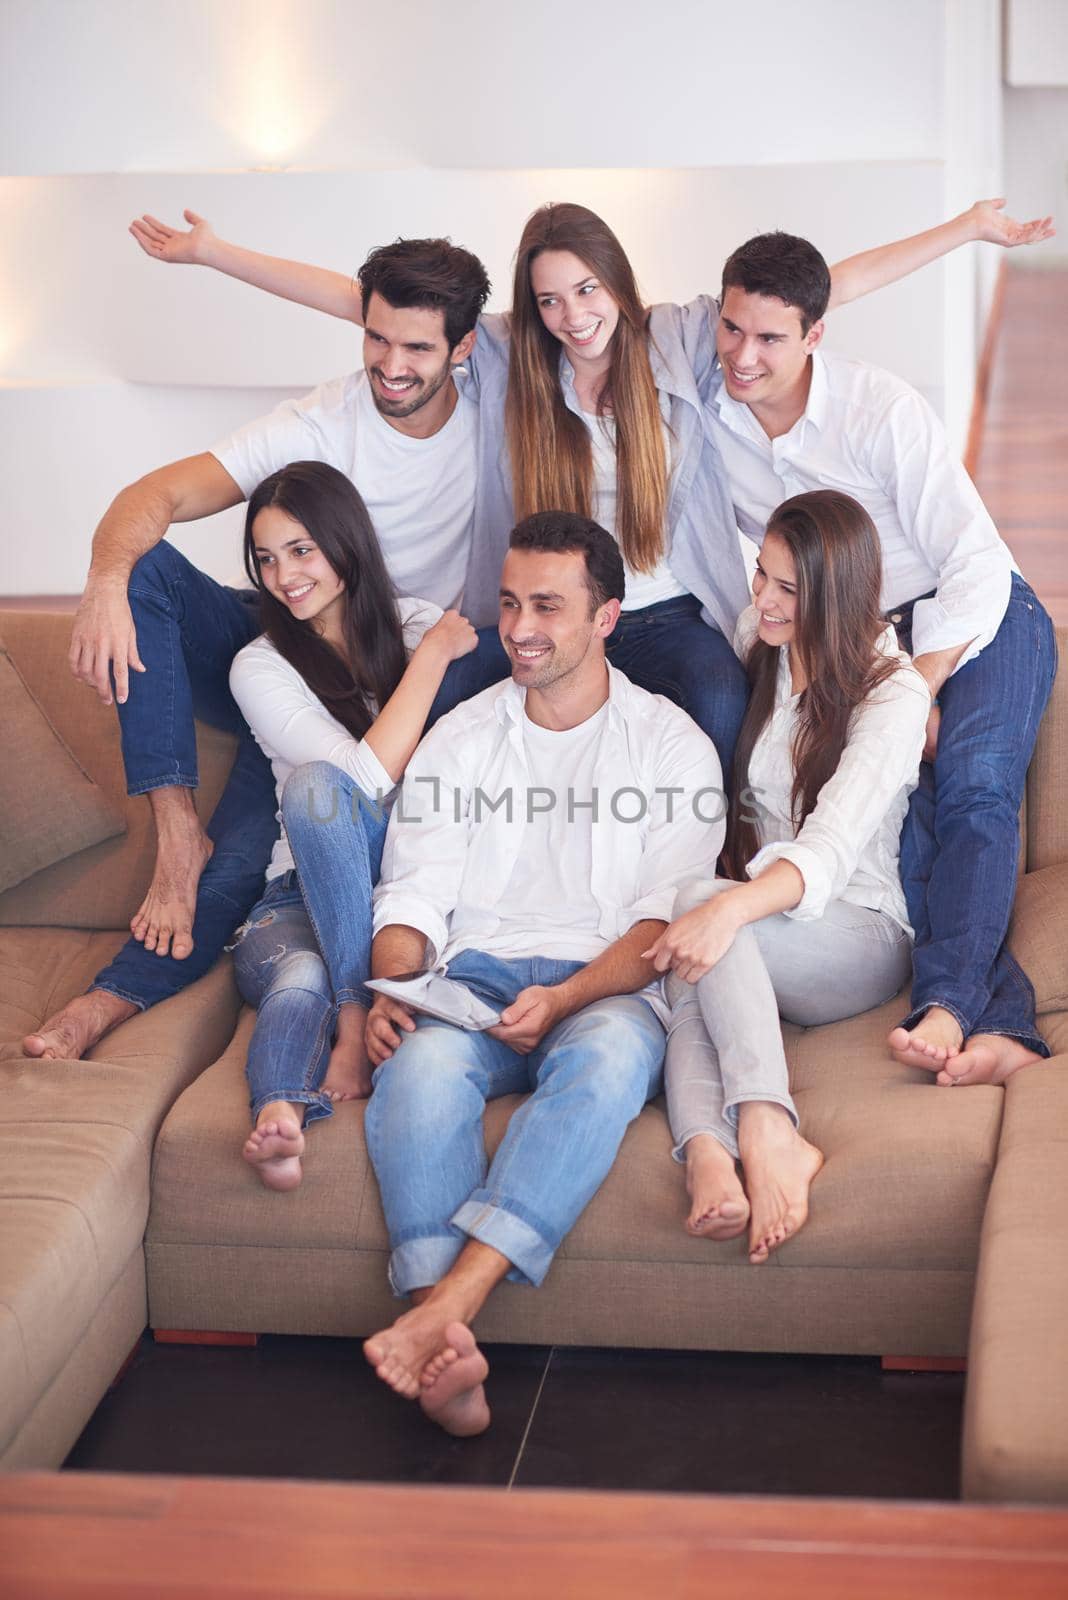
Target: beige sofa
[(939, 1225)]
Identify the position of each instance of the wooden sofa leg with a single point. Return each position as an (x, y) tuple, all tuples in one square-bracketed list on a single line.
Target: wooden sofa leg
[(924, 1364), (202, 1336)]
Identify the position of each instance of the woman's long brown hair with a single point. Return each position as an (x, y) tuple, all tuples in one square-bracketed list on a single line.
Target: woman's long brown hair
[(838, 566), (354, 687), (552, 459)]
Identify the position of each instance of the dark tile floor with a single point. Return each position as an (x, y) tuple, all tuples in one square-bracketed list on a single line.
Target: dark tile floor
[(619, 1419)]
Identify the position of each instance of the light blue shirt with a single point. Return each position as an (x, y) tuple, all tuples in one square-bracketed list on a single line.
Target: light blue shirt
[(703, 546)]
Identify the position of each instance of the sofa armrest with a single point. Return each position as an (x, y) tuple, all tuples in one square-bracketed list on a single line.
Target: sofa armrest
[(1016, 1407)]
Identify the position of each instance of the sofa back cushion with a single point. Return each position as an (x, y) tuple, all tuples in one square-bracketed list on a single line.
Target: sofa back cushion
[(1047, 779), (100, 886), (50, 808)]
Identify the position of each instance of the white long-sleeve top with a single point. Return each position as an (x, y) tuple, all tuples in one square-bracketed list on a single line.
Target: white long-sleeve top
[(292, 726), (847, 847), (867, 433), (461, 821)]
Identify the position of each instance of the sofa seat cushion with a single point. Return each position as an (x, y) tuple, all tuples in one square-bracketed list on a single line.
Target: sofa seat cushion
[(907, 1170), (76, 1143), (73, 1202)]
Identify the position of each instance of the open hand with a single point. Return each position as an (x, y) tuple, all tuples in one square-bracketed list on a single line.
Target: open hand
[(994, 227), (527, 1020), (692, 944), (387, 1022), (164, 243), (104, 637)]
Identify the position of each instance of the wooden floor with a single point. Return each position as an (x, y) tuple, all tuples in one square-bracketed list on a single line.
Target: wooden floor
[(1022, 470), (126, 1538)]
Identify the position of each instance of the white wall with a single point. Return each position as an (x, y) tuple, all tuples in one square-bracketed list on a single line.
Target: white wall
[(689, 126)]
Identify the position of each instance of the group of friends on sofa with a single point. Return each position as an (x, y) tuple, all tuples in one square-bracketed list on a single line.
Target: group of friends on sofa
[(653, 813)]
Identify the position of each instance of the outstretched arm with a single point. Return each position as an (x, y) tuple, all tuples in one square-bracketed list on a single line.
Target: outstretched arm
[(985, 220), (199, 245)]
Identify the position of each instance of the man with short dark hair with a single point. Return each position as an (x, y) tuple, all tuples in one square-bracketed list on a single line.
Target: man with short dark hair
[(402, 431), (789, 418), (543, 829)]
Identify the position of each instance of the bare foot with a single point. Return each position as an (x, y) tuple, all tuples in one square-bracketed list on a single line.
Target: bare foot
[(451, 1385), (74, 1030), (164, 922), (276, 1144), (401, 1354), (987, 1058), (931, 1043), (779, 1167), (720, 1209), (348, 1072)]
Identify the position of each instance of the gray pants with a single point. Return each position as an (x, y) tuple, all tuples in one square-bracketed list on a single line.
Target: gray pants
[(724, 1040)]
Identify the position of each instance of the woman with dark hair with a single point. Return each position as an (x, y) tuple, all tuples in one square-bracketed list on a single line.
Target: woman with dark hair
[(591, 402), (336, 692), (810, 922)]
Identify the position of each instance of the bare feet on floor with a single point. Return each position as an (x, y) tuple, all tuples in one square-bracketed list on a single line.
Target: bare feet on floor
[(719, 1208), (930, 1044), (986, 1058), (276, 1144), (452, 1393), (164, 922), (401, 1354), (779, 1168), (74, 1030), (348, 1073)]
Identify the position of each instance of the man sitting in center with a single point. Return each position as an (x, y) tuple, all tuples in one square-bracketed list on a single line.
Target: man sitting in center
[(543, 830)]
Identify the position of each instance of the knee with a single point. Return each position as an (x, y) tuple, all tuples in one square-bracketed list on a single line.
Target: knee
[(420, 1082), (696, 891), (314, 792), (291, 970), (613, 1061), (157, 568)]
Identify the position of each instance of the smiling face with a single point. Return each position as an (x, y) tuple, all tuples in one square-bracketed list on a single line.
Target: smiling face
[(546, 626), (775, 591), (575, 307), (763, 353), (294, 570), (409, 363)]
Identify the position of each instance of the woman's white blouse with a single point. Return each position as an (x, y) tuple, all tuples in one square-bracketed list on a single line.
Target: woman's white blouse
[(847, 847), (292, 726)]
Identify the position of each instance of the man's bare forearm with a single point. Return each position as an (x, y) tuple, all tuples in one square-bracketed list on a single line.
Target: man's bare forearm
[(618, 970), (397, 949), (139, 516), (938, 665)]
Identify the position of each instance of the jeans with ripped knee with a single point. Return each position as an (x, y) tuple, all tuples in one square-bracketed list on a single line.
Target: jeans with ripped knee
[(306, 947)]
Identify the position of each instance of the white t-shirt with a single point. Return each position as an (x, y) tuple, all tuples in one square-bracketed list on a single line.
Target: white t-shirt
[(549, 903), (643, 588), (420, 493), (292, 726)]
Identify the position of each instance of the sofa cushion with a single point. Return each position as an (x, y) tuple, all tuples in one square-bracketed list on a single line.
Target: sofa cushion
[(102, 886), (50, 808), (906, 1177), (76, 1143), (1038, 936)]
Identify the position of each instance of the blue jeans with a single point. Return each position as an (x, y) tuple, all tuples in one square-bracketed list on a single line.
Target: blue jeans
[(189, 628), (960, 843), (306, 948), (668, 650), (590, 1077)]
